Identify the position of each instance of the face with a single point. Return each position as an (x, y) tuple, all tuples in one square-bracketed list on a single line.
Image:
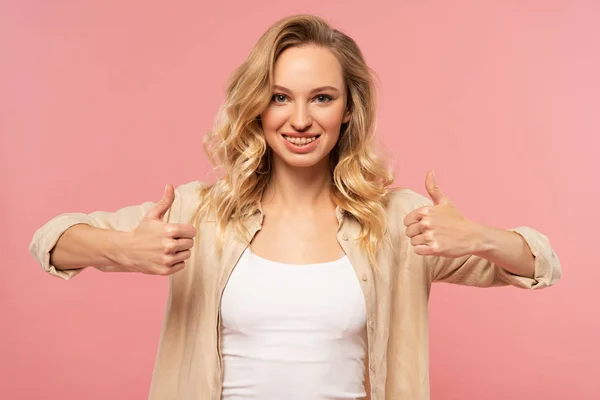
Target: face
[(302, 123)]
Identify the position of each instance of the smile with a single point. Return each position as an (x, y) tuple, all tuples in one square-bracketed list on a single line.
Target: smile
[(300, 141)]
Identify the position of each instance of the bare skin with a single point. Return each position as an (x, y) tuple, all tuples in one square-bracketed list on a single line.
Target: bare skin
[(154, 247), (300, 223)]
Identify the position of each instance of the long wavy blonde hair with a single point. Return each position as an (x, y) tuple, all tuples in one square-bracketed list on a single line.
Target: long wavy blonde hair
[(237, 146)]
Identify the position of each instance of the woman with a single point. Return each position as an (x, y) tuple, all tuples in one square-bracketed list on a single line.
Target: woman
[(299, 274)]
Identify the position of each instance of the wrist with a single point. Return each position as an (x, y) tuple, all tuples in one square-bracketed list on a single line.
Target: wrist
[(116, 250), (483, 243)]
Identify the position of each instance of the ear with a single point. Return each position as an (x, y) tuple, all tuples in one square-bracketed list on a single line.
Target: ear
[(347, 117)]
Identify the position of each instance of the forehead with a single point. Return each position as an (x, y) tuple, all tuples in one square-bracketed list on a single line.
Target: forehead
[(308, 67)]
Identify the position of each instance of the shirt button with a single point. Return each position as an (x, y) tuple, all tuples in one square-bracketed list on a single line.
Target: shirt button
[(372, 367), (371, 324), (345, 237), (363, 277)]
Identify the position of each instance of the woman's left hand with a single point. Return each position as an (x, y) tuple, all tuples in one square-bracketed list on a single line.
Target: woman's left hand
[(441, 230)]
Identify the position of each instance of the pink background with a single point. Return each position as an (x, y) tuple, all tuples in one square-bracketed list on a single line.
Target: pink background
[(104, 102)]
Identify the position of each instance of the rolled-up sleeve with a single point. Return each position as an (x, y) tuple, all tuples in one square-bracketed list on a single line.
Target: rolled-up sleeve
[(45, 238), (479, 272), (547, 269), (125, 219)]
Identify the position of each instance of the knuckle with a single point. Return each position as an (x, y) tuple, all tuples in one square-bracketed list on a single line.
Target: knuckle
[(179, 266), (183, 255), (192, 230), (166, 260), (170, 230), (170, 246), (163, 271)]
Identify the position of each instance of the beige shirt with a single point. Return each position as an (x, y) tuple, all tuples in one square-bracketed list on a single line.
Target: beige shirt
[(188, 363)]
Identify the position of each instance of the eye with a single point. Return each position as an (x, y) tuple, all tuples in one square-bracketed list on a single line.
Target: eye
[(323, 98), (279, 98)]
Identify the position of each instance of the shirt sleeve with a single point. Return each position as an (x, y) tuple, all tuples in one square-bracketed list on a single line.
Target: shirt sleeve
[(125, 219), (476, 271)]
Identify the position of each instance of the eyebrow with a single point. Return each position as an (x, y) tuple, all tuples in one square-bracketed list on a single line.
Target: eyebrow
[(319, 89)]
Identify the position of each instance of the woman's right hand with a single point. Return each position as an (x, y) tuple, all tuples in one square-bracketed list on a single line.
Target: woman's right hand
[(156, 247)]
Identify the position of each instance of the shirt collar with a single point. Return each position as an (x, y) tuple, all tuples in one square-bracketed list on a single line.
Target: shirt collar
[(255, 221)]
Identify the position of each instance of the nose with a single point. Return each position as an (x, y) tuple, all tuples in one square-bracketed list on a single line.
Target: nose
[(301, 119)]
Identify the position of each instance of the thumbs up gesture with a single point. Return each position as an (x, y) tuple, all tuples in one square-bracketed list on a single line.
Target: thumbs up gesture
[(441, 230), (156, 247)]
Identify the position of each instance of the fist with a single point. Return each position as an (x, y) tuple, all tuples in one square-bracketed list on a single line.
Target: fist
[(440, 230), (156, 247)]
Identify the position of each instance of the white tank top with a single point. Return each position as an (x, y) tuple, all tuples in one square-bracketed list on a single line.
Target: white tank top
[(293, 332)]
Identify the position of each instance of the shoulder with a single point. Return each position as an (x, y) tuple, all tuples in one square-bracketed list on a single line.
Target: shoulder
[(188, 199), (190, 192), (402, 201), (190, 188)]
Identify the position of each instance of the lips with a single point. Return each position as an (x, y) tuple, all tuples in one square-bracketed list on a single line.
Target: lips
[(301, 135), (300, 141)]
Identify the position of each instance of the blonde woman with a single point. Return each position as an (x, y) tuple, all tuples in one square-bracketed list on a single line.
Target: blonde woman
[(299, 273)]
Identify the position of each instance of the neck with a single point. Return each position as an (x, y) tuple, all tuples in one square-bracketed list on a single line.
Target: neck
[(297, 187)]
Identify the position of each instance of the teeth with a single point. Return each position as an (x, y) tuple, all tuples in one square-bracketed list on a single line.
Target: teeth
[(301, 140)]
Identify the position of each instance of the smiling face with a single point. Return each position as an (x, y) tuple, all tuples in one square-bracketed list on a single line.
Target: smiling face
[(303, 120)]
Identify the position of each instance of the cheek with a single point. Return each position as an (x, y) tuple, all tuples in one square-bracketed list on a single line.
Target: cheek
[(272, 119), (271, 122), (331, 122), (330, 117)]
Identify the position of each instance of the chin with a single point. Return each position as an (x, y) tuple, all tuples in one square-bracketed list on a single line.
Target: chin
[(306, 161)]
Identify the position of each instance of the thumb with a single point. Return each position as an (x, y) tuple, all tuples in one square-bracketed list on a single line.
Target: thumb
[(160, 209), (434, 191)]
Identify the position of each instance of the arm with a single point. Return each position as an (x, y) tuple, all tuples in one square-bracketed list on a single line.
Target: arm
[(50, 243), (462, 251), (68, 243), (83, 245), (506, 249), (530, 264)]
